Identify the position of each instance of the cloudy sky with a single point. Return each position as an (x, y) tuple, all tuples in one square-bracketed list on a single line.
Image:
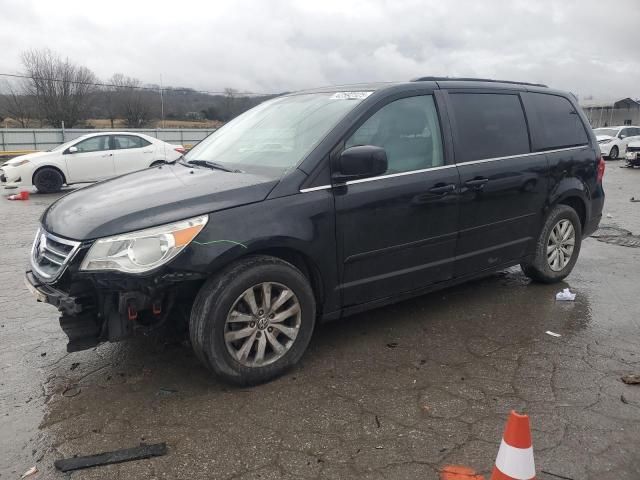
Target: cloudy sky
[(591, 47)]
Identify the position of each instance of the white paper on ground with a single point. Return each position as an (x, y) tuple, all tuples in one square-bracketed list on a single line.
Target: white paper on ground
[(553, 334), (566, 295)]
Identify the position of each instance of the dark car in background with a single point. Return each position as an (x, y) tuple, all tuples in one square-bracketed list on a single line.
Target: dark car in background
[(319, 204)]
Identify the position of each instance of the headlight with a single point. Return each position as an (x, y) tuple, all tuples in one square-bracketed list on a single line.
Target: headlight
[(144, 250), (18, 163), (606, 140)]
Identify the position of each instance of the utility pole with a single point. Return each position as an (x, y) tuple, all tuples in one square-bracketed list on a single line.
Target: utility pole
[(161, 103)]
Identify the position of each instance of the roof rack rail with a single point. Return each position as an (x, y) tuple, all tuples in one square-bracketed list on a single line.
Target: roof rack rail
[(465, 79)]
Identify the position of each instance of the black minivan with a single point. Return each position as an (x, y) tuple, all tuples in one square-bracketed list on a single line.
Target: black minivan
[(319, 204)]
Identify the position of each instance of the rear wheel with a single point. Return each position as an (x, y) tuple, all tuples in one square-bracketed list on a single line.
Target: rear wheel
[(253, 321), (613, 153), (557, 248), (48, 180)]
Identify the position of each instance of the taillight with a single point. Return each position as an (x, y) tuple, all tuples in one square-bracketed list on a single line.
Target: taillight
[(180, 149), (600, 169)]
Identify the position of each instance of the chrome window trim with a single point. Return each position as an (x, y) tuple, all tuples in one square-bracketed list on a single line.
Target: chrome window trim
[(442, 167), (69, 257)]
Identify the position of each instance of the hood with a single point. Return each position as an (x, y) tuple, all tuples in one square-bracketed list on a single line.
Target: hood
[(149, 198), (29, 156), (601, 138), (634, 143)]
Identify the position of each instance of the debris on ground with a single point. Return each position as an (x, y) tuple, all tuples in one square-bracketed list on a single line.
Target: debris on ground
[(71, 391), (377, 421), (624, 400), (633, 199), (164, 391), (30, 472), (392, 344), (74, 365), (43, 354), (553, 334), (631, 379), (108, 458), (609, 215), (556, 475), (459, 472), (566, 295)]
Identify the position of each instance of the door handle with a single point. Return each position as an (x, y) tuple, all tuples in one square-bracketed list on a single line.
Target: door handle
[(476, 183), (442, 189)]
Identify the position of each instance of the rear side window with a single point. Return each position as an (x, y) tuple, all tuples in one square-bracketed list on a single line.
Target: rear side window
[(129, 141), (558, 123), (488, 125)]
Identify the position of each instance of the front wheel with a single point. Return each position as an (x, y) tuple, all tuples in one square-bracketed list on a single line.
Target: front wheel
[(613, 153), (557, 247), (253, 321), (48, 180)]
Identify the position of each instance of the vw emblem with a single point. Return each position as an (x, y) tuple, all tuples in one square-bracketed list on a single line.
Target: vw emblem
[(41, 247)]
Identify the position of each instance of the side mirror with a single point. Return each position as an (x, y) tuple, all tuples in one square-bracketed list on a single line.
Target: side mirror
[(72, 149), (362, 161)]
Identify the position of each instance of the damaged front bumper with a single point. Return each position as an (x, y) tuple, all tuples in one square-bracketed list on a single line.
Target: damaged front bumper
[(108, 308)]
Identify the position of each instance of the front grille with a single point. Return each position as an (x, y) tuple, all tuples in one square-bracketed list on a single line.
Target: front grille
[(633, 149), (50, 255)]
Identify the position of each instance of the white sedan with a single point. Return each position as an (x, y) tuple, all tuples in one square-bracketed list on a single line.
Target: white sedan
[(613, 140), (90, 158)]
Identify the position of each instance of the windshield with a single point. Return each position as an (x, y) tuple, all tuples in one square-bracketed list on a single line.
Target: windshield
[(278, 134), (612, 132)]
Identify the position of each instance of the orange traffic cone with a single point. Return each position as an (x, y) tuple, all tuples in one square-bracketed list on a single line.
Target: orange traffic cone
[(24, 195), (515, 457)]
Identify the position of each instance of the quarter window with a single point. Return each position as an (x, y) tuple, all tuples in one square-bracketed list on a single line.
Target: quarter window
[(408, 130), (129, 141), (488, 125), (93, 144), (559, 123)]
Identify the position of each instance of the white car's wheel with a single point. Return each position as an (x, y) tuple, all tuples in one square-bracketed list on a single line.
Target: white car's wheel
[(613, 153)]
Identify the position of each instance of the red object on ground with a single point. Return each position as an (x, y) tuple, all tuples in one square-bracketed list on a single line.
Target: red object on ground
[(19, 196), (459, 472), (515, 457)]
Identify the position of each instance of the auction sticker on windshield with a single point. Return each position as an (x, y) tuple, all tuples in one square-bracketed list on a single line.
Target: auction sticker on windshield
[(350, 95)]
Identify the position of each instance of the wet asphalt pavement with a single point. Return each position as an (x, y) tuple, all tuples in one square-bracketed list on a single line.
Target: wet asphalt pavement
[(393, 393)]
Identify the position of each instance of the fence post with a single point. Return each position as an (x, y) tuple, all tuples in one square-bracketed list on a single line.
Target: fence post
[(63, 137), (181, 138), (35, 139), (4, 145)]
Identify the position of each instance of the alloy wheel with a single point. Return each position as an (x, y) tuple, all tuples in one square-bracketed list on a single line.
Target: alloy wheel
[(562, 240), (262, 324)]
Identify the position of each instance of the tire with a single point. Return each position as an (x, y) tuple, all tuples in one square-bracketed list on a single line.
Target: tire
[(157, 163), (223, 297), (613, 153), (541, 268), (48, 180)]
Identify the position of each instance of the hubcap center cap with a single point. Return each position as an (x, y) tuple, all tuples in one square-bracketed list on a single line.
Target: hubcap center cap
[(263, 322)]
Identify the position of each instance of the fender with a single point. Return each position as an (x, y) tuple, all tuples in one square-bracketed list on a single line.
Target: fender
[(571, 187), (302, 224)]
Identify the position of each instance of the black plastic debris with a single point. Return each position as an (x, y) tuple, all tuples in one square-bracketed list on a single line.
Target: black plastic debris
[(108, 458)]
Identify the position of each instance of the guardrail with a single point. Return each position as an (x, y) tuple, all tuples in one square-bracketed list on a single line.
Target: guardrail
[(31, 139)]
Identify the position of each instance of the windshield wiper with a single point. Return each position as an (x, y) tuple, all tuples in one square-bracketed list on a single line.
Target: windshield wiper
[(213, 165)]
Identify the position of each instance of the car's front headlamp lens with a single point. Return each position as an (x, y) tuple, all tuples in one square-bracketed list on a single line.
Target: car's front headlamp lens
[(144, 250)]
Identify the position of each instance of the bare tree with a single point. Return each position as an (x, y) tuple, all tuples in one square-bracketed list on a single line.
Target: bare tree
[(229, 104), (130, 100), (60, 87), (18, 104)]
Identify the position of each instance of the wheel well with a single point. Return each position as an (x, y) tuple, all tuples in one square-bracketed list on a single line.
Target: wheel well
[(33, 177), (155, 163), (578, 205), (302, 263)]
